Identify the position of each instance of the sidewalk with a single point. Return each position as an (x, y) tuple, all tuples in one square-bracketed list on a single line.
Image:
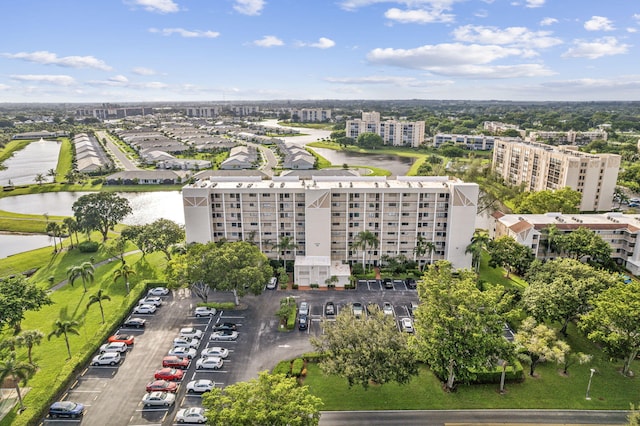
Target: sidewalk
[(9, 399)]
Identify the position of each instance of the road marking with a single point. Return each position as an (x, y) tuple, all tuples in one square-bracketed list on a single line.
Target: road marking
[(284, 346), (146, 410), (85, 391)]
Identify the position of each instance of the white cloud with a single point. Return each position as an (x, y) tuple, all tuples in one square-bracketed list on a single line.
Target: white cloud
[(268, 41), (185, 33), (511, 36), (481, 13), (48, 58), (627, 82), (159, 6), (435, 4), (599, 23), (632, 30), (418, 16), (493, 71), (636, 16), (548, 21), (535, 3), (4, 87), (249, 7), (322, 43), (393, 80), (143, 71), (58, 80), (606, 46), (122, 81)]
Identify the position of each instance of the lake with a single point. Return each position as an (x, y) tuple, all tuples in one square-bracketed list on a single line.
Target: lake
[(398, 166), (24, 165)]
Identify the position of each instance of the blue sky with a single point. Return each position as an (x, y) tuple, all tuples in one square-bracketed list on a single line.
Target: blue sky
[(214, 50)]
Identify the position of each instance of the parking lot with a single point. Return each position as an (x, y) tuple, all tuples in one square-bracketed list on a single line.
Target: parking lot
[(113, 394)]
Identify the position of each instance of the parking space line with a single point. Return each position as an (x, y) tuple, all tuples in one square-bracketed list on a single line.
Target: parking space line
[(85, 391)]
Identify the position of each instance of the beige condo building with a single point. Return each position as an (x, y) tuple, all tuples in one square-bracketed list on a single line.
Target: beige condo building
[(542, 167), (324, 214)]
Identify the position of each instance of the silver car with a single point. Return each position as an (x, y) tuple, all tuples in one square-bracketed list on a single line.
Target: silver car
[(224, 335), (200, 386), (107, 358), (209, 363), (158, 398)]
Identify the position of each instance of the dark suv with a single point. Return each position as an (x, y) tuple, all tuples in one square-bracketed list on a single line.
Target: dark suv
[(66, 409), (411, 283), (303, 322)]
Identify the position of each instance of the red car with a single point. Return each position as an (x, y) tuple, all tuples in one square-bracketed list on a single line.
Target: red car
[(124, 338), (162, 386), (173, 361), (170, 374)]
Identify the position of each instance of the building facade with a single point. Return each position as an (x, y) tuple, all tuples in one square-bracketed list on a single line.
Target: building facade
[(393, 132), (543, 167), (472, 142), (311, 115), (324, 214), (619, 230)]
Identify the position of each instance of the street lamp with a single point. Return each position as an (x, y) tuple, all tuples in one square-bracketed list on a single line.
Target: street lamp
[(593, 370)]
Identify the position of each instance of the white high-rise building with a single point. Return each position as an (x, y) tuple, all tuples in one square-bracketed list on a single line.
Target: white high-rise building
[(393, 132)]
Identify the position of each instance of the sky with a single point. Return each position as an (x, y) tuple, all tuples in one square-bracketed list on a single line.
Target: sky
[(92, 51)]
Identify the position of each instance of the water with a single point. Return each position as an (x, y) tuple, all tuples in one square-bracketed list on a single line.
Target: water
[(24, 165), (398, 166), (17, 243)]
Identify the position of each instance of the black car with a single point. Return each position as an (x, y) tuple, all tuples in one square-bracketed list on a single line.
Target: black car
[(329, 309), (135, 322), (411, 283), (303, 322), (225, 326), (388, 283), (66, 409)]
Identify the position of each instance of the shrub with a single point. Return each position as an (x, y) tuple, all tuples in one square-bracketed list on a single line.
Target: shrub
[(296, 367), (220, 306), (314, 285), (314, 356), (291, 320), (88, 246), (283, 367), (514, 373), (97, 181)]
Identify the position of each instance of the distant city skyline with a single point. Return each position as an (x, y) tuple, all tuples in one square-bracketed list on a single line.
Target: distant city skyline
[(243, 50)]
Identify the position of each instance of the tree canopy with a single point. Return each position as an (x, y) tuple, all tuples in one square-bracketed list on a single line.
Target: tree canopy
[(271, 399), (100, 211), (614, 322), (160, 235), (537, 342), (459, 328), (511, 255), (585, 242), (365, 350), (369, 140), (565, 200), (18, 295)]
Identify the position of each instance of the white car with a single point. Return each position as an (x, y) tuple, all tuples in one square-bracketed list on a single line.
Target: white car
[(191, 332), (192, 415), (107, 358), (114, 347), (387, 308), (407, 325), (144, 309), (215, 351), (209, 363), (159, 291), (150, 300), (158, 398), (200, 386), (204, 311), (183, 352), (273, 283), (186, 342), (224, 335)]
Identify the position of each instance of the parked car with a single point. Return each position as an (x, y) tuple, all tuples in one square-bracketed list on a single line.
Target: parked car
[(158, 398), (150, 300), (273, 283), (186, 342), (215, 351), (209, 363), (158, 291), (387, 283), (124, 338), (199, 386), (303, 322), (162, 386), (107, 358), (204, 311), (144, 309), (191, 332), (224, 335), (412, 308), (114, 347), (303, 309), (411, 283), (357, 309), (225, 326), (66, 409), (387, 309), (192, 415), (173, 361), (407, 325), (170, 374), (634, 204), (183, 352), (330, 308), (133, 322)]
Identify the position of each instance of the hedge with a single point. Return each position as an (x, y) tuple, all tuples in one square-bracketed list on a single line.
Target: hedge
[(283, 367), (514, 373), (291, 320), (296, 367)]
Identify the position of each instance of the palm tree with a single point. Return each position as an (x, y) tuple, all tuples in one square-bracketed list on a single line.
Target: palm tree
[(52, 173), (84, 271), (98, 298), (124, 272), (64, 327), (286, 244), (365, 240), (39, 178), (18, 371), (424, 247), (53, 228), (72, 228), (478, 243), (551, 233), (28, 339)]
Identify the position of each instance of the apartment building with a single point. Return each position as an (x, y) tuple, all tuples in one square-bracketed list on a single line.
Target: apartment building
[(472, 142), (204, 112), (541, 167), (571, 137), (311, 115), (619, 230), (324, 214), (498, 126), (393, 132)]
